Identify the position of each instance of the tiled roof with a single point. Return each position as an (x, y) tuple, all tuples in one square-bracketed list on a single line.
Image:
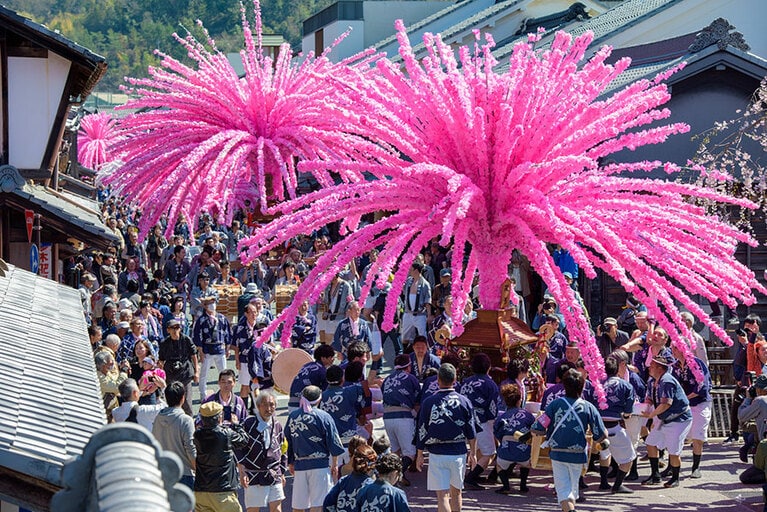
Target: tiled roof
[(465, 25), (49, 393), (72, 208), (616, 19), (418, 25)]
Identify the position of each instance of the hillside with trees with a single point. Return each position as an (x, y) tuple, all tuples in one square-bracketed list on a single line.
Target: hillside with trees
[(127, 32)]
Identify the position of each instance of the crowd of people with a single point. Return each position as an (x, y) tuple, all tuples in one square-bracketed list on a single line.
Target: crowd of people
[(156, 329)]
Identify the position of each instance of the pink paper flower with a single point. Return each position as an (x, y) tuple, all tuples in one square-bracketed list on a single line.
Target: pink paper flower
[(97, 133)]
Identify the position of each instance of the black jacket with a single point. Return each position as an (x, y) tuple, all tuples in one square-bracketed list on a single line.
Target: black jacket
[(216, 469)]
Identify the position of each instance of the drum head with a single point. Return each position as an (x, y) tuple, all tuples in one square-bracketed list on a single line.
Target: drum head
[(286, 366)]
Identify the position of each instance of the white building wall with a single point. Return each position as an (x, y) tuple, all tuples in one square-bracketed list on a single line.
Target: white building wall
[(35, 86)]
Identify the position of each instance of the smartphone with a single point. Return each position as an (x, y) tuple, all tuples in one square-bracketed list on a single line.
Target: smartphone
[(227, 413)]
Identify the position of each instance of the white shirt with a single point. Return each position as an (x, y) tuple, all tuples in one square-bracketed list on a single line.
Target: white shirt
[(145, 414)]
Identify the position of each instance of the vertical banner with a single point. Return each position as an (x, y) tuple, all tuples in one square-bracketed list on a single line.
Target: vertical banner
[(46, 260), (29, 217)]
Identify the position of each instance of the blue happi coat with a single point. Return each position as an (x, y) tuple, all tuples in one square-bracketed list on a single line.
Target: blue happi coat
[(312, 439)]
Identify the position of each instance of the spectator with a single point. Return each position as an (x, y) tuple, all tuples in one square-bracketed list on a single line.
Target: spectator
[(174, 430)]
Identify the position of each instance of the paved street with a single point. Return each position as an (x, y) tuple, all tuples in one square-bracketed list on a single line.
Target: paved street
[(718, 490)]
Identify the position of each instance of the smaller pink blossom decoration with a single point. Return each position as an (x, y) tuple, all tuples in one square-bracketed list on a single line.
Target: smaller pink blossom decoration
[(209, 140), (97, 133)]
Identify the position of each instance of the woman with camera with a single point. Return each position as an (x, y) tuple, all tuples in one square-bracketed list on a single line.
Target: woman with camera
[(178, 357)]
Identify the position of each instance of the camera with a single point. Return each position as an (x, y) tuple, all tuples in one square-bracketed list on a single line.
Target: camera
[(741, 332)]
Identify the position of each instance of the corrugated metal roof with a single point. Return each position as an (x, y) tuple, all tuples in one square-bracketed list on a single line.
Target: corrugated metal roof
[(49, 391)]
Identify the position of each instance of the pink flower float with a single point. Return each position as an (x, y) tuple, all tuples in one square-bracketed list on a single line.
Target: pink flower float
[(97, 133), (497, 160), (206, 139), (451, 147)]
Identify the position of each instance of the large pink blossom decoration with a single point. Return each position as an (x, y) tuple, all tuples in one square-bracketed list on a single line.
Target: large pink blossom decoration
[(207, 140), (497, 160), (97, 133)]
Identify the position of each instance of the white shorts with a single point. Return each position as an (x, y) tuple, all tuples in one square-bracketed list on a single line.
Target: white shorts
[(669, 436), (486, 439), (261, 495), (505, 464), (634, 424), (566, 476), (244, 378), (400, 432), (310, 487), (621, 448), (411, 323), (445, 471), (701, 417)]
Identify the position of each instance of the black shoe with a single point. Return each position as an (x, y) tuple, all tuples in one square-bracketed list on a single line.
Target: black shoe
[(503, 491), (651, 480), (696, 474), (622, 490), (743, 452), (632, 477), (732, 438), (473, 486), (523, 488), (604, 487), (581, 498), (666, 472), (674, 482)]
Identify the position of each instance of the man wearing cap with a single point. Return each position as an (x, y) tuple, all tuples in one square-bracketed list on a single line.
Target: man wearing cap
[(445, 425), (672, 419), (441, 291), (609, 337), (699, 395), (416, 295), (178, 357), (313, 450), (216, 478), (251, 293), (401, 394), (201, 293), (212, 335)]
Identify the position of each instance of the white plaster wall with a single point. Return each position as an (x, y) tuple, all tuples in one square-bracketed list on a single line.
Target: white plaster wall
[(35, 86)]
